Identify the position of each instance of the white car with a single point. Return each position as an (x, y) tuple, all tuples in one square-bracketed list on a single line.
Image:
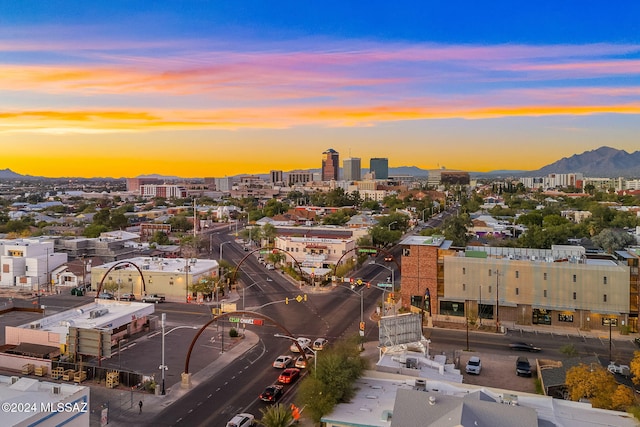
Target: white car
[(282, 362), (270, 267), (474, 366), (320, 344), (242, 420), (304, 342), (301, 363)]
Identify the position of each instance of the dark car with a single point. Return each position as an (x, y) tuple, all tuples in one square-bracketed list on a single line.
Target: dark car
[(128, 297), (523, 367), (271, 393), (388, 258), (523, 346), (106, 295)]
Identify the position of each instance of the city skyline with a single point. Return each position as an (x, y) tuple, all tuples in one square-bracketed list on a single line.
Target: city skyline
[(198, 89)]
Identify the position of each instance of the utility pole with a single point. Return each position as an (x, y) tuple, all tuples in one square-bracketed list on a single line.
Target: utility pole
[(497, 301)]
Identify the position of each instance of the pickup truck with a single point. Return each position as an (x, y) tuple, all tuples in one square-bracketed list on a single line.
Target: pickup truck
[(153, 298)]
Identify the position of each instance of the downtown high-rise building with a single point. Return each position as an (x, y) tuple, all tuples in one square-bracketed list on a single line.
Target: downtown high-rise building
[(351, 169), (330, 165), (380, 167)]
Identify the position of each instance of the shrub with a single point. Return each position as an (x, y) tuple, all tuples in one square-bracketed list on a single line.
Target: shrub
[(233, 333)]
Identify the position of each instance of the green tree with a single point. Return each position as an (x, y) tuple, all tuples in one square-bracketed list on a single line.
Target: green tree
[(455, 229), (276, 416), (612, 240), (268, 232), (332, 381), (160, 238), (94, 230)]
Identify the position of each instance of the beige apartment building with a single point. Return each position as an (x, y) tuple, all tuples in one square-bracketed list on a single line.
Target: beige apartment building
[(561, 286), (316, 252)]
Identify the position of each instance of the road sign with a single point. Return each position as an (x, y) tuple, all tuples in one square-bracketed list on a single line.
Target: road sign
[(368, 251), (385, 285)]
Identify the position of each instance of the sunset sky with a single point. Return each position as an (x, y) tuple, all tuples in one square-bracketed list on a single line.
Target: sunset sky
[(213, 88)]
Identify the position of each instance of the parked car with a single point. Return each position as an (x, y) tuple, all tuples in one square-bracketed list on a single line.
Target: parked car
[(302, 363), (619, 369), (282, 362), (153, 298), (320, 344), (106, 295), (242, 420), (474, 366), (289, 375), (272, 393), (523, 367), (128, 297), (523, 346), (304, 342)]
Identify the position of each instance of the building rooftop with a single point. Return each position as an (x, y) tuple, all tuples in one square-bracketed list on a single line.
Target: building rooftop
[(424, 241), (37, 395), (154, 264), (390, 400), (100, 314)]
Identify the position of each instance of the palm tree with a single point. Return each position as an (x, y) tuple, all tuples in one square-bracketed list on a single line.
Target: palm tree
[(276, 416)]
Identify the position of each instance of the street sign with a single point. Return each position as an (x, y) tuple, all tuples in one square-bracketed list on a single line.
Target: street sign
[(368, 251), (385, 285), (247, 321)]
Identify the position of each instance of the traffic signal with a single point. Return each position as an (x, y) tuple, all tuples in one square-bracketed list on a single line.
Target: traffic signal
[(368, 285), (362, 326), (305, 297), (286, 300)]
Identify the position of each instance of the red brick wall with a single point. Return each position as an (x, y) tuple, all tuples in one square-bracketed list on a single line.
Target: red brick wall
[(419, 272)]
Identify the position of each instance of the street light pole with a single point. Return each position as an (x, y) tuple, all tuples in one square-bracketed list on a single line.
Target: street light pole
[(221, 245), (394, 222), (306, 347), (163, 367)]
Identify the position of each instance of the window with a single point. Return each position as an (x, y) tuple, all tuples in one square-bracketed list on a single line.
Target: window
[(545, 276), (489, 289), (464, 287), (517, 291), (489, 273), (604, 280), (464, 270), (517, 274), (574, 279), (574, 295), (604, 298), (26, 268), (544, 293), (406, 252)]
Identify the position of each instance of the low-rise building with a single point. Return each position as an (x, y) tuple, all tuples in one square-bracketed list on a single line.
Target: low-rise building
[(171, 277)]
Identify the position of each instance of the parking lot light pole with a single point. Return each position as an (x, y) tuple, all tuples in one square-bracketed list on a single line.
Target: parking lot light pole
[(306, 347), (164, 367)]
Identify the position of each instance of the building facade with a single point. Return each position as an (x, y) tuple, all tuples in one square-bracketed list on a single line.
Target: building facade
[(380, 167), (330, 165), (27, 264), (171, 277), (351, 169), (560, 286)]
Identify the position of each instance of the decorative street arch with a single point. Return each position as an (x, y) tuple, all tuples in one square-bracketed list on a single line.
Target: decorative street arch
[(236, 313), (269, 248), (384, 251), (125, 263)]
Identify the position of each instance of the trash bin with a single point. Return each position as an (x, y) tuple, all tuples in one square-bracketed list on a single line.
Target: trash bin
[(79, 293), (74, 291)]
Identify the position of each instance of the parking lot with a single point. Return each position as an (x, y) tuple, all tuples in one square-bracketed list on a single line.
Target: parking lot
[(499, 371)]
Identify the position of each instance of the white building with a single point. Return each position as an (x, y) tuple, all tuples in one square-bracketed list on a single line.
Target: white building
[(27, 264), (48, 403)]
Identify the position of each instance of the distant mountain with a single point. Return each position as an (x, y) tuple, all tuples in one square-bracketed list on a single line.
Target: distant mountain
[(604, 162), (9, 174)]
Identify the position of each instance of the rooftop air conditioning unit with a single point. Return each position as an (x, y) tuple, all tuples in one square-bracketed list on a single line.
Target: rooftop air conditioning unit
[(14, 379), (420, 385), (56, 389)]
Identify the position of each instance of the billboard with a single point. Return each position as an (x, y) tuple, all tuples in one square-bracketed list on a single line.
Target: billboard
[(400, 329)]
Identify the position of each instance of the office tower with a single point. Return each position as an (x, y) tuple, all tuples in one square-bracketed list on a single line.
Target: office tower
[(380, 166), (351, 169), (330, 165), (276, 177)]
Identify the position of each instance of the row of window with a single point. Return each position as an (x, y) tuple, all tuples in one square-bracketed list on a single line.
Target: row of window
[(517, 275), (312, 251), (544, 292)]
